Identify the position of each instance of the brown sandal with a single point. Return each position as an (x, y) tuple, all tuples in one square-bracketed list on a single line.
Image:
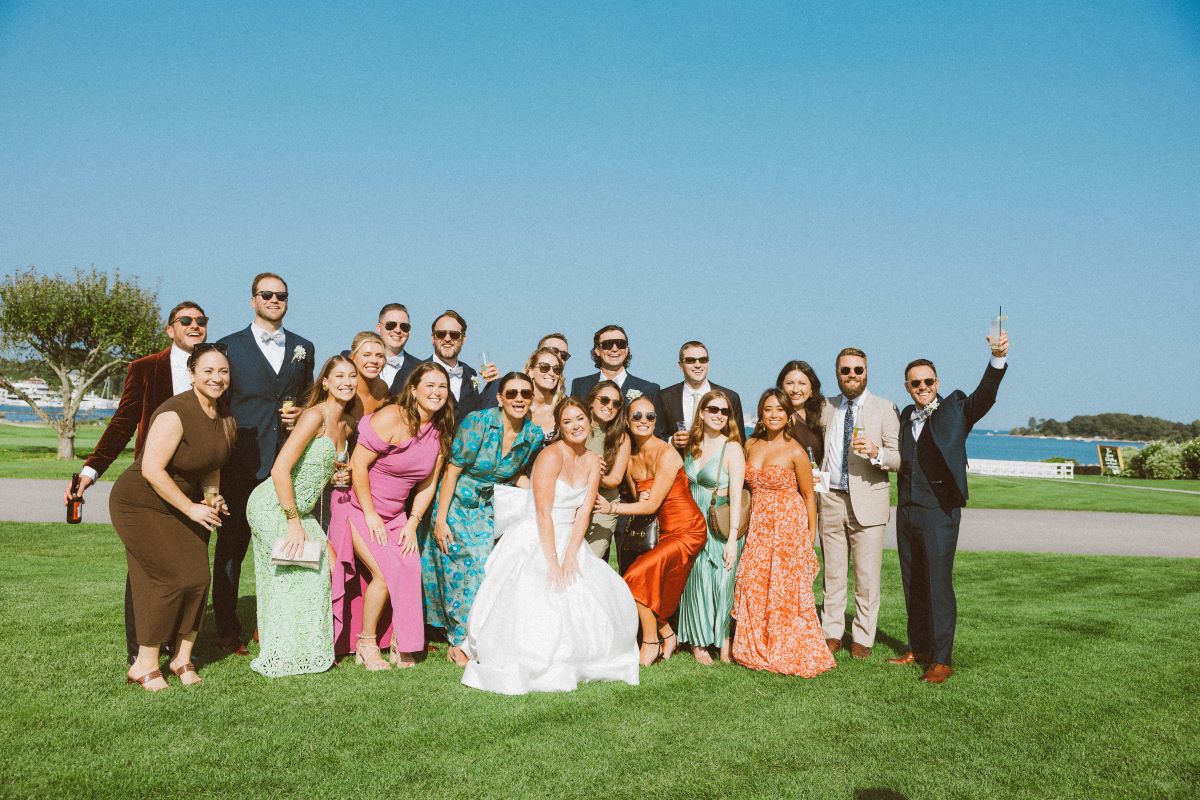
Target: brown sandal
[(183, 670), (152, 675)]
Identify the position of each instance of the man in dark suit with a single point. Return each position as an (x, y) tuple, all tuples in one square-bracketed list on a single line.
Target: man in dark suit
[(680, 401), (611, 354), (932, 492), (149, 381), (271, 369), (449, 335), (394, 327)]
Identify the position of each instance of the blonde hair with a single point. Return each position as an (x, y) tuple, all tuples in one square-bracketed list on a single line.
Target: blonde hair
[(362, 337), (531, 362)]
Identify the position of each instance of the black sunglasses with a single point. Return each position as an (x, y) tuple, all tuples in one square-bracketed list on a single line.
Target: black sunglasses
[(605, 400), (186, 321), (724, 412), (563, 354), (543, 368), (453, 336), (649, 416), (392, 325), (855, 370), (513, 394), (917, 382), (695, 359), (269, 295), (614, 344)]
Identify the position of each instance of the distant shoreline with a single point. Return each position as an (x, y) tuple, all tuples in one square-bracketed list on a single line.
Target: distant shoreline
[(1070, 438)]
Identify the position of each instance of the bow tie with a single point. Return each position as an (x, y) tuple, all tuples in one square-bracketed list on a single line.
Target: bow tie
[(395, 361), (922, 414), (456, 372), (276, 337)]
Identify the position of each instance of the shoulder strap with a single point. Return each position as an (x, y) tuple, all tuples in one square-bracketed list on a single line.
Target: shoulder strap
[(712, 502)]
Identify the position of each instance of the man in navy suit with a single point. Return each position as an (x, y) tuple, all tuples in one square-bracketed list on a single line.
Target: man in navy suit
[(932, 492), (611, 354), (394, 327), (449, 335), (681, 401), (268, 366)]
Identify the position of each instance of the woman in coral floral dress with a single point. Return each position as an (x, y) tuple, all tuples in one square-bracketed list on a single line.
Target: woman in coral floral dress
[(777, 626)]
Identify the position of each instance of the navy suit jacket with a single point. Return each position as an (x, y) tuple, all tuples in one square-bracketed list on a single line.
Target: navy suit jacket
[(671, 399), (468, 399), (255, 394), (582, 385), (408, 366), (948, 426)]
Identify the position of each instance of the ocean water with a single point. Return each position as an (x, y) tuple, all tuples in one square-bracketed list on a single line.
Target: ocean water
[(24, 413)]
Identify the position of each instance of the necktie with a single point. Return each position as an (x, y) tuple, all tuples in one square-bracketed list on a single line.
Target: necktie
[(276, 337), (847, 431)]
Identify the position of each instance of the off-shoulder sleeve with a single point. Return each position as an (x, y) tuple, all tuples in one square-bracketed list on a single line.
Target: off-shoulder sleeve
[(368, 439)]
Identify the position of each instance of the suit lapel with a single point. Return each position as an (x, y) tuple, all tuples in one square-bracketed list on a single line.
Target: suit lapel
[(255, 354), (164, 381)]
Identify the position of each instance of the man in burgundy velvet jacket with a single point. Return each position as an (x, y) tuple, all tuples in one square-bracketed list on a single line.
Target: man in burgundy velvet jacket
[(150, 380)]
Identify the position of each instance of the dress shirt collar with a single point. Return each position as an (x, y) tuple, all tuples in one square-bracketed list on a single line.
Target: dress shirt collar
[(455, 371), (618, 379), (179, 357)]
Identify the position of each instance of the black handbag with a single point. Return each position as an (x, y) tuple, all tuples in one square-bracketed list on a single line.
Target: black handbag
[(640, 536)]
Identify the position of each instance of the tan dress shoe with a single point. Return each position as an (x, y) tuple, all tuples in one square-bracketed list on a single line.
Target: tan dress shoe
[(910, 658), (834, 645), (860, 651), (937, 673)]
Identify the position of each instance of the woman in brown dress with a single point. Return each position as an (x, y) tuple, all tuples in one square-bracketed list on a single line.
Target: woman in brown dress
[(800, 383), (164, 507)]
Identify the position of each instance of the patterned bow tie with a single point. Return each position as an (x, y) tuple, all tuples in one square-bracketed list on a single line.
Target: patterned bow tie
[(395, 361), (276, 337), (922, 414)]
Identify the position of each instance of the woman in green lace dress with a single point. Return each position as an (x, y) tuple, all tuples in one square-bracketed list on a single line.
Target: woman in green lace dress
[(295, 614), (714, 463)]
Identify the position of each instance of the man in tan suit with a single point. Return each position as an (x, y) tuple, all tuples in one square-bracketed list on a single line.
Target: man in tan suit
[(861, 434)]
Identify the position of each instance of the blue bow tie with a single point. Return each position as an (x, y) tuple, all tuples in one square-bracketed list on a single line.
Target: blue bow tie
[(457, 372), (276, 337), (395, 361)]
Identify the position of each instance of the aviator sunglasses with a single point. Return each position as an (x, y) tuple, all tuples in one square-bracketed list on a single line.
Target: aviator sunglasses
[(855, 370), (266, 294), (918, 382), (392, 325), (186, 321), (453, 336), (513, 394), (562, 354)]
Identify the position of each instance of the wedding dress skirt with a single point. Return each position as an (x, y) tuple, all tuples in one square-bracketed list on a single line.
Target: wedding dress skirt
[(523, 635)]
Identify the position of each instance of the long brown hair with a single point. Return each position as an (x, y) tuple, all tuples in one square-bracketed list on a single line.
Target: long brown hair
[(815, 404), (760, 430), (614, 431), (733, 430), (443, 419), (317, 393), (569, 402)]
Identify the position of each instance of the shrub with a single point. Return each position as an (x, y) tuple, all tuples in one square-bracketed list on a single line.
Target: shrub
[(1157, 460), (1190, 455)]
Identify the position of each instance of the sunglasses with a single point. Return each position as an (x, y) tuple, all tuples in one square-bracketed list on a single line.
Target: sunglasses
[(855, 370), (614, 344), (562, 354), (392, 325), (606, 401), (453, 336), (204, 347), (916, 383), (649, 416), (724, 412), (513, 394), (267, 295), (186, 321), (695, 359), (543, 368)]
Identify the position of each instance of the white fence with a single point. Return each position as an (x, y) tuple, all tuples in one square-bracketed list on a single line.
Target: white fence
[(1020, 469)]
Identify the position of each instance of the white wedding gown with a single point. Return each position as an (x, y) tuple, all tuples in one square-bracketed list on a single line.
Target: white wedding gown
[(523, 636)]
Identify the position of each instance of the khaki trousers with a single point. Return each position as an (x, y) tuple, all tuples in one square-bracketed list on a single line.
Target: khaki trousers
[(842, 537)]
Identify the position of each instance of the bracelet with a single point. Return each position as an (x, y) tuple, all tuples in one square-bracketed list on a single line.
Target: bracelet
[(291, 513)]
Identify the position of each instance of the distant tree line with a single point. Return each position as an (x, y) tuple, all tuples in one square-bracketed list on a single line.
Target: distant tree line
[(1133, 427)]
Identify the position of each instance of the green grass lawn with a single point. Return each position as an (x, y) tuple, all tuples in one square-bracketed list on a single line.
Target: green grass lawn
[(1076, 679), (32, 452)]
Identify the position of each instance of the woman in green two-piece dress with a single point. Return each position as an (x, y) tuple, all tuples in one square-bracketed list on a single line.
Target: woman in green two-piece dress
[(295, 613), (714, 463)]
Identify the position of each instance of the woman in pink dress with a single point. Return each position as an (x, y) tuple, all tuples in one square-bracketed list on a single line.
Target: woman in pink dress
[(377, 588)]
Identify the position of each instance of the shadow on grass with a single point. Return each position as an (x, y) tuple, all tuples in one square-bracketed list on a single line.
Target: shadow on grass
[(878, 794)]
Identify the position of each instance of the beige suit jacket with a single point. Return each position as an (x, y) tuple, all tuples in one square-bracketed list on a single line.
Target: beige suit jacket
[(868, 483)]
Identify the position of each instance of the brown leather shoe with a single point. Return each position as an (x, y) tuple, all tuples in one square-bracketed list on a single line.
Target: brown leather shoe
[(834, 645), (232, 646), (910, 658), (937, 673), (860, 651)]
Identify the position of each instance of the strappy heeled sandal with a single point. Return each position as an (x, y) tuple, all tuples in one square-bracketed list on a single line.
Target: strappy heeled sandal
[(373, 660), (152, 675), (663, 648), (402, 660), (183, 670), (657, 655)]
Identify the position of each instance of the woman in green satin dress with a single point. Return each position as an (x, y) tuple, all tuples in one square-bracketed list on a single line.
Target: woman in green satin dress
[(295, 613), (714, 463)]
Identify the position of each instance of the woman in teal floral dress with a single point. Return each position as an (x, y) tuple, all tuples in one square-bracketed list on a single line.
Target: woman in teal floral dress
[(295, 614), (492, 446)]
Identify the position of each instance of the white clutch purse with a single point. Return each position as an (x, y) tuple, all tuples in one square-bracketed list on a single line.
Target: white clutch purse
[(310, 556)]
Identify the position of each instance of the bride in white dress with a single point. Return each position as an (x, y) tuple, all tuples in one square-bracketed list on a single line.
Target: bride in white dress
[(549, 613)]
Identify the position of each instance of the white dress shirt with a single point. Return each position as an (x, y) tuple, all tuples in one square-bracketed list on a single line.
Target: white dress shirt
[(691, 401), (272, 350), (918, 423), (618, 379), (393, 365), (455, 379), (181, 380)]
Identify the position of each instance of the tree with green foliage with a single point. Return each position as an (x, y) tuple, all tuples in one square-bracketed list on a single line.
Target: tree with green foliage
[(83, 328)]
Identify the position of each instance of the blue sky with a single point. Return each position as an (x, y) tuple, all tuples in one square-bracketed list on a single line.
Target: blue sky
[(778, 180)]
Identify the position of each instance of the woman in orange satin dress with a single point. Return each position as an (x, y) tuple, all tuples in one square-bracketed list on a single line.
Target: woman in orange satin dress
[(656, 579), (777, 626)]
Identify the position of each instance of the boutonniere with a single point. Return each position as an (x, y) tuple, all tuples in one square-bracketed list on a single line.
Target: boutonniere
[(927, 411), (299, 354), (631, 395), (477, 382)]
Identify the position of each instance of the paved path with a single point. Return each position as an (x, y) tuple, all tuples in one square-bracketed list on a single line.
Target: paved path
[(1093, 532)]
